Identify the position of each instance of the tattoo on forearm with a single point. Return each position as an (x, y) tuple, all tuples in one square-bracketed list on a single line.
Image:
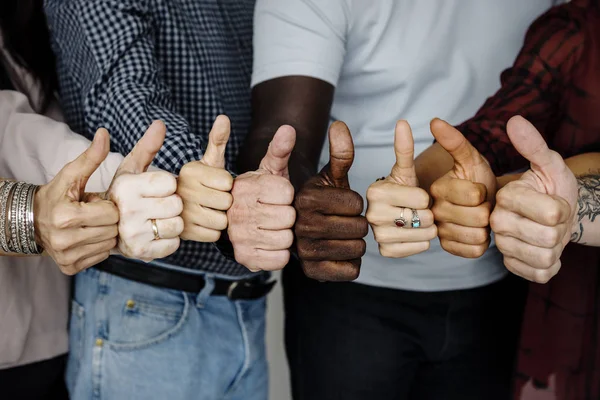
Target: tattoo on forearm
[(589, 203)]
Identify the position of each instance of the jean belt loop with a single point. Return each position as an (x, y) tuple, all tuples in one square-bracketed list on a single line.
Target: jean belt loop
[(205, 292)]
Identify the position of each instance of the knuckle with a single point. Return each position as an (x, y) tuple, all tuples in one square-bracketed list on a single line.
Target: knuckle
[(63, 218), (59, 243), (178, 226), (541, 276), (127, 231), (496, 221), (438, 188), (304, 227), (502, 196), (288, 217), (481, 217), (474, 196), (212, 236), (480, 236), (547, 258), (375, 193), (227, 200), (362, 227), (187, 171), (288, 239), (304, 201), (552, 215), (551, 237), (287, 191), (386, 251), (356, 200), (176, 205), (280, 260)]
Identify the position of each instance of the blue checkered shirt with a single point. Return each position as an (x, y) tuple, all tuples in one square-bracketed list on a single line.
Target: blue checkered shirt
[(124, 63)]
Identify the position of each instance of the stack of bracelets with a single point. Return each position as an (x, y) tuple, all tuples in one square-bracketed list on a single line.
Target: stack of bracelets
[(17, 231)]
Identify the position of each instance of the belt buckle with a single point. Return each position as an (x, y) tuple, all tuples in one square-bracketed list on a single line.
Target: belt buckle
[(231, 289)]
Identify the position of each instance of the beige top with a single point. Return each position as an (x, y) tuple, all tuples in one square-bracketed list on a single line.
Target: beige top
[(34, 294)]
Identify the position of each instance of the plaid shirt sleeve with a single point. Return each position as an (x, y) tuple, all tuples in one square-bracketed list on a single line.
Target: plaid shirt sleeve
[(108, 52), (531, 88)]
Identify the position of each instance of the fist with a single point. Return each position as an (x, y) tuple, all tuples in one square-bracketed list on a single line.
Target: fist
[(76, 229), (534, 216), (463, 197), (261, 216), (329, 227), (204, 187), (398, 210), (149, 224)]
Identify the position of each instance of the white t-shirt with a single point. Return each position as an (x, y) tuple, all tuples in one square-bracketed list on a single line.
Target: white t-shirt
[(391, 60)]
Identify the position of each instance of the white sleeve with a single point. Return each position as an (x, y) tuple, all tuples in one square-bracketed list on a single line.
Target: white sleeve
[(34, 148), (299, 37)]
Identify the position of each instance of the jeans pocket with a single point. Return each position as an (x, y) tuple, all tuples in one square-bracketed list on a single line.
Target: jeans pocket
[(144, 321), (76, 342)]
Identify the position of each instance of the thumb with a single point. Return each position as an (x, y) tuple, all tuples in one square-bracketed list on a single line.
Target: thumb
[(341, 153), (77, 172), (214, 156), (141, 156), (404, 147), (453, 142), (279, 151), (530, 144)]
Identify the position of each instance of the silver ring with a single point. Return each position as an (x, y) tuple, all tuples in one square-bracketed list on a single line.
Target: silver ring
[(155, 229), (400, 222), (415, 222)]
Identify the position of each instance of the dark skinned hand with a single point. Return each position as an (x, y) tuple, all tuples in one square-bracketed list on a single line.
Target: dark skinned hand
[(329, 226)]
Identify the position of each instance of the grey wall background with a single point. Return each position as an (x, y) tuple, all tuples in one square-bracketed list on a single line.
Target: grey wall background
[(278, 370)]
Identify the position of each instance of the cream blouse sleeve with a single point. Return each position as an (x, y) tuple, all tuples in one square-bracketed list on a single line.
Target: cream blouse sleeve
[(34, 148)]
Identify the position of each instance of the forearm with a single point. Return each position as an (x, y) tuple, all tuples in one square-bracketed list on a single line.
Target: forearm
[(579, 165), (301, 102), (587, 228), (121, 80)]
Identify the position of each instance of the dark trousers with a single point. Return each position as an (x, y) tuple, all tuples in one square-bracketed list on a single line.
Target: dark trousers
[(44, 380), (347, 341)]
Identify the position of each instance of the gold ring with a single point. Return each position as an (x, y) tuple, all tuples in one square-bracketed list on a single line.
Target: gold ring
[(155, 229)]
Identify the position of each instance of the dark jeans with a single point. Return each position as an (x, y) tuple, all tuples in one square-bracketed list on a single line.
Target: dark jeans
[(348, 341), (44, 380)]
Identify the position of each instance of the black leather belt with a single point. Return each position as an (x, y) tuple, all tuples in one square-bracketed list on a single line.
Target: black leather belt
[(149, 274)]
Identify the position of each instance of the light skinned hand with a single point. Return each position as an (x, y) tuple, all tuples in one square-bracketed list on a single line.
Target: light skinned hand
[(394, 197), (330, 227), (205, 186), (143, 196), (535, 215), (463, 198), (76, 229), (261, 216)]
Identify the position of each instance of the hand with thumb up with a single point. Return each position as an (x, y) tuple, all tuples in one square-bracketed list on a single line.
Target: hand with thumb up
[(398, 210), (329, 227), (76, 229), (535, 215), (149, 209), (463, 198), (204, 187), (261, 216)]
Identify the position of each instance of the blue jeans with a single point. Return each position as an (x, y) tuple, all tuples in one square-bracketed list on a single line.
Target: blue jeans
[(134, 341)]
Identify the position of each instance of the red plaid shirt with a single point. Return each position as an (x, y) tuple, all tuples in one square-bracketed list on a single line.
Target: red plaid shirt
[(555, 84)]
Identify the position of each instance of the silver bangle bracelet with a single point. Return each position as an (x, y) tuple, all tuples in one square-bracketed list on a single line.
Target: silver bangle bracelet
[(22, 221), (33, 246), (15, 241), (4, 215), (16, 215)]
